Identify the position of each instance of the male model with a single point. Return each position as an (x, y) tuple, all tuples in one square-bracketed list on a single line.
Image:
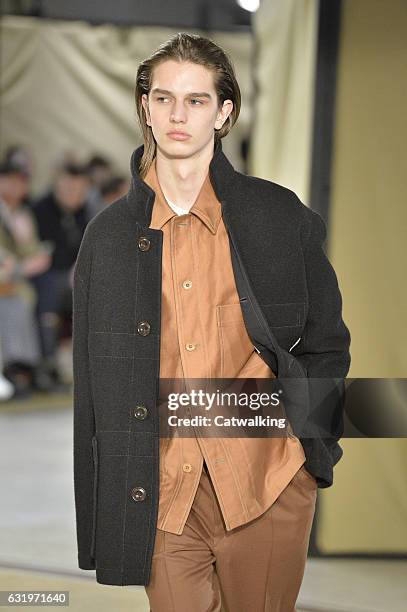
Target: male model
[(171, 282)]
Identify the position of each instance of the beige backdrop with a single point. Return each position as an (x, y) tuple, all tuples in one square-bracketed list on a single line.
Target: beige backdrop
[(366, 510)]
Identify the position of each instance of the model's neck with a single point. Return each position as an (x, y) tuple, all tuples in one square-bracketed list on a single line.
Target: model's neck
[(181, 179)]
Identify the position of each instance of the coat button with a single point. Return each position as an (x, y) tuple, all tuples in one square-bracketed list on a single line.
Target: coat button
[(138, 494), (143, 328), (187, 467), (140, 412), (144, 243)]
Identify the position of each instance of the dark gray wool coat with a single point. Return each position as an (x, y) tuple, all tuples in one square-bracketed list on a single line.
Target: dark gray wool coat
[(284, 280)]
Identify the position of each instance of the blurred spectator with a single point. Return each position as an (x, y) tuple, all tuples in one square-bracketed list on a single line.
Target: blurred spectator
[(100, 172), (20, 158), (61, 219), (114, 189), (21, 257), (7, 389)]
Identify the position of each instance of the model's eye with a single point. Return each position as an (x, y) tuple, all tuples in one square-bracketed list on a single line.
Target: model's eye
[(193, 100)]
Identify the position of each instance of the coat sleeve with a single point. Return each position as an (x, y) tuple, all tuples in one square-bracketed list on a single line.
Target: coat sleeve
[(324, 347), (83, 416)]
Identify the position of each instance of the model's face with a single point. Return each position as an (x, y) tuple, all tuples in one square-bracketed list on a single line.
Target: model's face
[(183, 98)]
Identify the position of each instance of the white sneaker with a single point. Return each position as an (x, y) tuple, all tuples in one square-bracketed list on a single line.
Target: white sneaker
[(6, 388)]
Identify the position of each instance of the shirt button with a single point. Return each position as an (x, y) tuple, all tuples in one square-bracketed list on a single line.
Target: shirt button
[(187, 284), (187, 467), (190, 346)]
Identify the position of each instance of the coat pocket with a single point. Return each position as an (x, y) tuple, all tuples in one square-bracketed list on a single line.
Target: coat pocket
[(286, 321), (285, 314), (95, 489)]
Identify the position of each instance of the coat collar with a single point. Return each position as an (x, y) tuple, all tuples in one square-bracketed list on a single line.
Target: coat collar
[(140, 197)]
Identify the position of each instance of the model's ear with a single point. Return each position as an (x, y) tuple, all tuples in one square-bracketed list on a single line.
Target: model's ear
[(224, 113)]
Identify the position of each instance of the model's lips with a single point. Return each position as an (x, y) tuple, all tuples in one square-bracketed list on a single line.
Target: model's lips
[(179, 135)]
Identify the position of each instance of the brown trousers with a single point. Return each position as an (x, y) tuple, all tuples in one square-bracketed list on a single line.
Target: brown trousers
[(257, 567)]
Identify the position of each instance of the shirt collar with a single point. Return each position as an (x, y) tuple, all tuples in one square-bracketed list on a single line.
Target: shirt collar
[(206, 206)]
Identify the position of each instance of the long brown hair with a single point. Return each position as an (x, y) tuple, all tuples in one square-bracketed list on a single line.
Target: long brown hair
[(199, 50)]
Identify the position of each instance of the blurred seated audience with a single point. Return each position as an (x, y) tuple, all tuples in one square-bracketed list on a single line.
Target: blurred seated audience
[(22, 256), (61, 219), (39, 243)]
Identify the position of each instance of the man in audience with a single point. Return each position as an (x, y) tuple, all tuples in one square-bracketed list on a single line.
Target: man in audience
[(61, 217)]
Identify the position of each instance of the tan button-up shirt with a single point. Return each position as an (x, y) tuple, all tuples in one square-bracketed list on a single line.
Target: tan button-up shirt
[(203, 335)]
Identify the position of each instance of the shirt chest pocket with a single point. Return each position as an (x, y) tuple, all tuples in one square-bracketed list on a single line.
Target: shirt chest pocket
[(235, 345)]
